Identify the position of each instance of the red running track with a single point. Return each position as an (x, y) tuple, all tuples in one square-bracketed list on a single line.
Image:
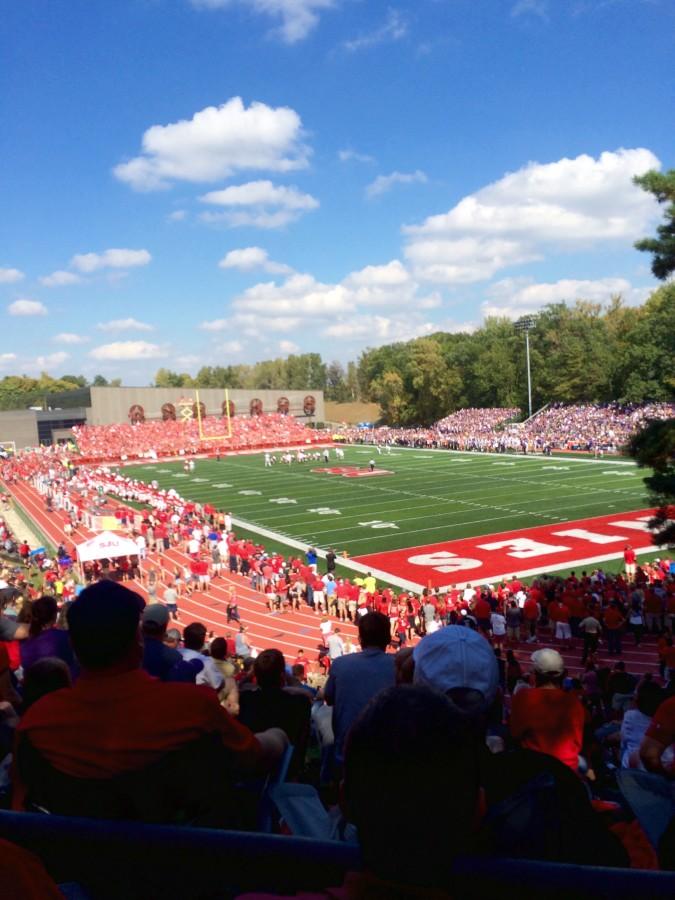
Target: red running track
[(286, 631)]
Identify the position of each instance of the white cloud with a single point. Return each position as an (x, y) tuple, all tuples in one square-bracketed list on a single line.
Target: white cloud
[(387, 286), (261, 193), (177, 215), (298, 17), (115, 258), (231, 347), (247, 259), (215, 143), (215, 325), (514, 297), (260, 219), (127, 350), (7, 357), (67, 337), (288, 347), (50, 360), (10, 276), (249, 324), (464, 260), (27, 308), (384, 183), (188, 360), (379, 328), (125, 325), (567, 205), (60, 278), (393, 28), (261, 204), (530, 7), (352, 155)]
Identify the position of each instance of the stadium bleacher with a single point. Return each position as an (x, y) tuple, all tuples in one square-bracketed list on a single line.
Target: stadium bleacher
[(110, 859)]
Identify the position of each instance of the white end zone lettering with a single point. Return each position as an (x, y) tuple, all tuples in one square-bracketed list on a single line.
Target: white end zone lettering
[(591, 536), (633, 524), (524, 548), (444, 561)]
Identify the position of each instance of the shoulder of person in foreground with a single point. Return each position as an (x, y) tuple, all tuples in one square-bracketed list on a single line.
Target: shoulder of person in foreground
[(23, 876)]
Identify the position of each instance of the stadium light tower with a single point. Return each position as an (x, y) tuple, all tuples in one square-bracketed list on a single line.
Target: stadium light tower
[(526, 324)]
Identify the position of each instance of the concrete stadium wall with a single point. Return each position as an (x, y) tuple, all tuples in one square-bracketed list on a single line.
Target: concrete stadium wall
[(20, 426), (114, 404)]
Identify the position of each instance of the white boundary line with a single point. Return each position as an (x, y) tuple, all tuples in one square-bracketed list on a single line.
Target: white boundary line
[(416, 587), (534, 457), (347, 563), (526, 573)]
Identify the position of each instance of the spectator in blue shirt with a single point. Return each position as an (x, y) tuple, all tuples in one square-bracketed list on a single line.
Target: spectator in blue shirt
[(356, 678)]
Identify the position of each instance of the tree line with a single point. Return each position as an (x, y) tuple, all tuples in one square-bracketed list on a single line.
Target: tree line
[(579, 353), (22, 391)]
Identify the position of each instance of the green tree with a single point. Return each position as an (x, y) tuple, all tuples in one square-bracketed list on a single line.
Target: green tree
[(662, 186), (654, 446), (572, 357), (496, 379), (648, 358), (305, 372), (99, 381), (390, 393), (433, 386), (219, 377), (352, 382), (167, 378), (271, 374), (336, 384)]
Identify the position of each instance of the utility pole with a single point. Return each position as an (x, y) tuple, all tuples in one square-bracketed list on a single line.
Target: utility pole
[(526, 324)]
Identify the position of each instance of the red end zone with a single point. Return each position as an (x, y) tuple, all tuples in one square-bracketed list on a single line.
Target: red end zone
[(527, 551)]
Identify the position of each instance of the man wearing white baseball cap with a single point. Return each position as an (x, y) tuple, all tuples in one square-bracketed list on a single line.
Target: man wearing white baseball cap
[(460, 663), (546, 718)]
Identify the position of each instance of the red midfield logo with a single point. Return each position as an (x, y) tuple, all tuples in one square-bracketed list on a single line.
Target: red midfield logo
[(351, 471)]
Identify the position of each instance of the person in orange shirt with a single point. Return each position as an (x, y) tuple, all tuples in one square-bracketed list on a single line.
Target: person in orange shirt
[(531, 613), (613, 621), (545, 718)]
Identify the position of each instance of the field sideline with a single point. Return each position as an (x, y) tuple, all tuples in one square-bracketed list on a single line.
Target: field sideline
[(423, 499)]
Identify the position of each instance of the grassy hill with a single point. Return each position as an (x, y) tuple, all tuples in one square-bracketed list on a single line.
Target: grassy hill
[(351, 413)]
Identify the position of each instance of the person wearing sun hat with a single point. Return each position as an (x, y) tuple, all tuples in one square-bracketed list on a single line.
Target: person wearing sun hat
[(456, 660), (545, 718)]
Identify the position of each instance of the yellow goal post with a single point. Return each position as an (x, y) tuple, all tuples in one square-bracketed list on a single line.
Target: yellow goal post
[(214, 437)]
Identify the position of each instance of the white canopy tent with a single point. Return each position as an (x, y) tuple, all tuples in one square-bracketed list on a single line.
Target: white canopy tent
[(106, 545)]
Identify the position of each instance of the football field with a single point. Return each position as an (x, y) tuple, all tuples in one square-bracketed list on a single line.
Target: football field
[(428, 517)]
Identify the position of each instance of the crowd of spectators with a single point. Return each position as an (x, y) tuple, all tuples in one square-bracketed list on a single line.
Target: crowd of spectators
[(476, 421), (591, 427), (594, 428), (122, 716), (160, 439)]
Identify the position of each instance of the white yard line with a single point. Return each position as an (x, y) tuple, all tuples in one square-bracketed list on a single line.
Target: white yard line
[(347, 563), (542, 570)]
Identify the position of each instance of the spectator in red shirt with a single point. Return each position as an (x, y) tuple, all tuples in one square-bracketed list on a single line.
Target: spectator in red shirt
[(629, 562), (120, 744), (482, 611), (301, 660), (531, 613), (613, 621), (546, 718)]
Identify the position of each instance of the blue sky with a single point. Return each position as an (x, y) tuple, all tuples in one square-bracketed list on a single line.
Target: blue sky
[(195, 182)]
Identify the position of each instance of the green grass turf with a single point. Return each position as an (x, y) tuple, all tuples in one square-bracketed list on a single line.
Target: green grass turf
[(431, 496)]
